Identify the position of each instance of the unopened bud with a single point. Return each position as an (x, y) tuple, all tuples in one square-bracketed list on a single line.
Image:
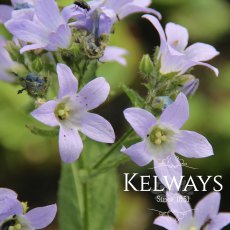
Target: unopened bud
[(146, 66)]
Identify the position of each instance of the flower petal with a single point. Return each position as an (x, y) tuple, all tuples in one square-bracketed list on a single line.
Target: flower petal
[(193, 145), (45, 113), (177, 36), (201, 52), (113, 53), (137, 6), (41, 217), (202, 213), (169, 172), (97, 128), (177, 113), (180, 207), (68, 84), (5, 13), (27, 31), (167, 222), (48, 14), (155, 22), (220, 221), (32, 47), (70, 144), (138, 153), (5, 192), (94, 93), (140, 120)]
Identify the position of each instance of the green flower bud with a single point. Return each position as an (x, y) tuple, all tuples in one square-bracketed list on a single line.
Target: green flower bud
[(146, 66)]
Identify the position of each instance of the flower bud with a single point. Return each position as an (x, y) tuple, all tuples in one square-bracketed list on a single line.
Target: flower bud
[(190, 86), (146, 66)]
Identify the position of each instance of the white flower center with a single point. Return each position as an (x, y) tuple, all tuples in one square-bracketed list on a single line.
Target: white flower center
[(62, 111)]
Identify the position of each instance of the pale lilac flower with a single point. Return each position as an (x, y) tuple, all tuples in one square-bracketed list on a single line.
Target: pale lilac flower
[(70, 112), (6, 63), (13, 214), (116, 54), (190, 86), (48, 30), (19, 9), (174, 56), (162, 138), (205, 215)]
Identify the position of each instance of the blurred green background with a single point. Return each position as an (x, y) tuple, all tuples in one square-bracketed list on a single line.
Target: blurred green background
[(30, 164)]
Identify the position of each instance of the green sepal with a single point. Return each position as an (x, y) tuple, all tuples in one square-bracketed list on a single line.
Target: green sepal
[(42, 132)]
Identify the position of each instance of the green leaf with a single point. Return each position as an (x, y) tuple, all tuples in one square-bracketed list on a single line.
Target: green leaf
[(42, 132), (87, 205), (134, 97)]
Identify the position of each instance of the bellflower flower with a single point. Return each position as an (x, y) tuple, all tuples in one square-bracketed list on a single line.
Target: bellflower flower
[(205, 215), (162, 138), (6, 62), (14, 216), (70, 112), (174, 56), (19, 9), (48, 30)]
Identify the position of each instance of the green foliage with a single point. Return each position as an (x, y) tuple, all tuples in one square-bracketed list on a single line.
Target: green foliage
[(41, 132)]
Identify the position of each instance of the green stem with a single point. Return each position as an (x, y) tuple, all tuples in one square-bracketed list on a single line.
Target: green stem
[(113, 148)]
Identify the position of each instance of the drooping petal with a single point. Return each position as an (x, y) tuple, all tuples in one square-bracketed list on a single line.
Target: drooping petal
[(27, 31), (155, 22), (137, 6), (177, 113), (202, 213), (180, 207), (220, 221), (177, 36), (48, 13), (141, 120), (5, 13), (68, 84), (138, 153), (32, 47), (94, 93), (70, 144), (97, 128), (169, 172), (41, 217), (201, 52), (167, 222), (193, 145), (113, 53), (45, 113), (60, 38)]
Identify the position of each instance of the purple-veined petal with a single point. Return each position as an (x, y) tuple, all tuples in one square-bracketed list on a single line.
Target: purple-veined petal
[(177, 36), (155, 22), (68, 84), (32, 47), (193, 145), (48, 13), (70, 144), (116, 5), (60, 38), (180, 207), (113, 53), (137, 6), (202, 213), (169, 172), (45, 113), (177, 113), (70, 12), (94, 93), (167, 222), (97, 128), (27, 13), (5, 13), (41, 217), (138, 153), (201, 52), (220, 221), (27, 31), (140, 120)]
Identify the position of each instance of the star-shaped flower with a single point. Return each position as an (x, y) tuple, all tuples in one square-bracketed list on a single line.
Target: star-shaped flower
[(162, 138), (13, 215), (205, 215), (174, 56), (48, 30), (70, 112)]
